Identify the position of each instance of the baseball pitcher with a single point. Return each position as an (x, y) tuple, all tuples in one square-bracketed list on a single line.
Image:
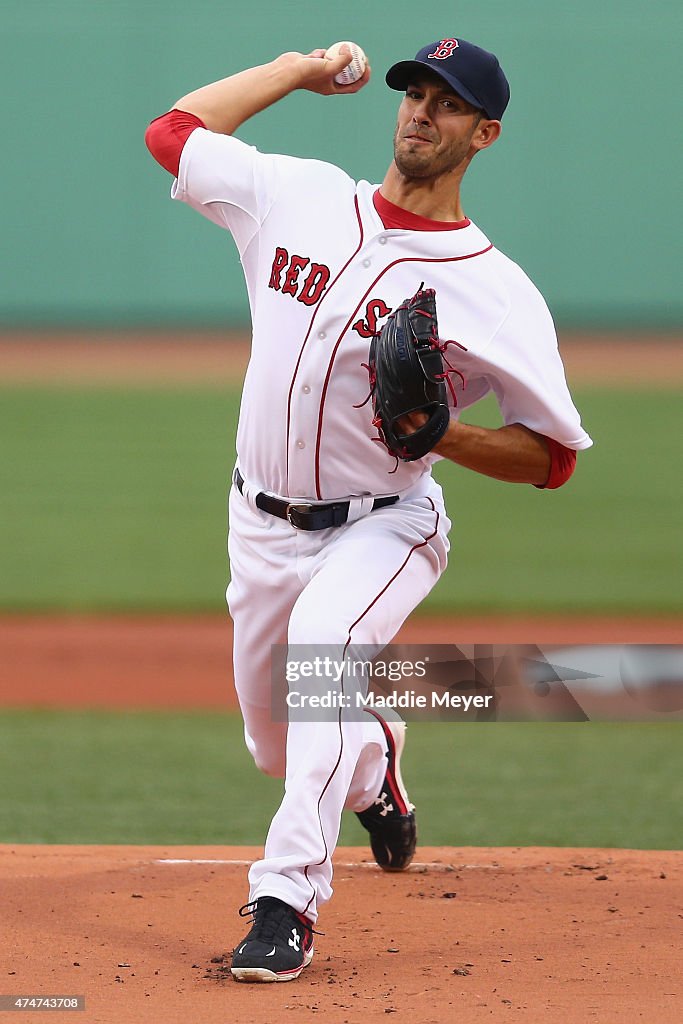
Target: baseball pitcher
[(380, 314)]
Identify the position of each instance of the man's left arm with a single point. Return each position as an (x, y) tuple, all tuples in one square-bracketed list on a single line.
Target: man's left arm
[(542, 429), (512, 453)]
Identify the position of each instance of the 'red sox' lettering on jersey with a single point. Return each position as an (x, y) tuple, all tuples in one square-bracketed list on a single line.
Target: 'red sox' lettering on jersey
[(374, 311), (285, 276)]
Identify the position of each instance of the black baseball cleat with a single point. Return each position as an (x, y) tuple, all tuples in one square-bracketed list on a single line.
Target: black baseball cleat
[(390, 820), (279, 945)]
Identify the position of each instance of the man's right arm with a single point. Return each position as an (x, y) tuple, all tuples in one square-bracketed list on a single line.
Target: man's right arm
[(219, 177), (223, 106)]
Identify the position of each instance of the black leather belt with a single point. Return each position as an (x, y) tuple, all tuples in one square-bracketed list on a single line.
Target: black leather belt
[(305, 515)]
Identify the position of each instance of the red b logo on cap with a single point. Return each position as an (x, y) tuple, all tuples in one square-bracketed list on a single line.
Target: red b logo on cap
[(444, 49)]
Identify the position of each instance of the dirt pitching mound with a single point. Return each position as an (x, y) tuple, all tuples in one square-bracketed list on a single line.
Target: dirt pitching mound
[(466, 935)]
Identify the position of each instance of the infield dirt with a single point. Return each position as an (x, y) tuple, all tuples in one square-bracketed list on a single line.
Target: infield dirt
[(176, 662), (467, 935), (219, 359)]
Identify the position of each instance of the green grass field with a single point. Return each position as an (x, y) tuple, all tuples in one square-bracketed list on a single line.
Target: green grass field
[(77, 777), (115, 500)]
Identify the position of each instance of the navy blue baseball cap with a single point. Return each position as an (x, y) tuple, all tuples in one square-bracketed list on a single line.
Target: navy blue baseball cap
[(473, 73)]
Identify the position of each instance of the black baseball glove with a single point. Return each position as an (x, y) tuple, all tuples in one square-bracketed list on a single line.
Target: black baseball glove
[(408, 374)]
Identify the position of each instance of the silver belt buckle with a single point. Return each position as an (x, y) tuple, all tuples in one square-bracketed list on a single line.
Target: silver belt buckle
[(297, 506)]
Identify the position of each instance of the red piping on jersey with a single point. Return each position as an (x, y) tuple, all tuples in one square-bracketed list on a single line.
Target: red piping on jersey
[(394, 216), (307, 336), (408, 259), (362, 615), (166, 136)]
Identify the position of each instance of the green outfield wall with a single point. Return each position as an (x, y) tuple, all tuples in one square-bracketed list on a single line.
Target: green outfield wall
[(581, 189)]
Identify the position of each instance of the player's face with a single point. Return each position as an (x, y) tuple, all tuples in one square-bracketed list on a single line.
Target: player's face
[(434, 131)]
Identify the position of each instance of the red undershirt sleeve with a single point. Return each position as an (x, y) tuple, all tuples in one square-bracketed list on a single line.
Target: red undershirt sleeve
[(166, 136), (562, 464)]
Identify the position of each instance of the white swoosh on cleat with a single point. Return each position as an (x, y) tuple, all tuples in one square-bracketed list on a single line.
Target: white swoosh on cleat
[(272, 952), (242, 948)]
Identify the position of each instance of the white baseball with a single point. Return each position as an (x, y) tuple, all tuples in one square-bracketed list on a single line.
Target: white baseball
[(355, 69)]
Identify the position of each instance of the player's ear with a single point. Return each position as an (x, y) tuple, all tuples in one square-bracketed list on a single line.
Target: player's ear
[(486, 133)]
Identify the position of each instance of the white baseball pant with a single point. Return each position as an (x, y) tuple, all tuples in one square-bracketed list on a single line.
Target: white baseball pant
[(355, 584)]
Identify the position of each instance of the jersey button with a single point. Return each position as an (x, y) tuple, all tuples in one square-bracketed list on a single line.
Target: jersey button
[(383, 240), (306, 390), (322, 335), (366, 263), (301, 444)]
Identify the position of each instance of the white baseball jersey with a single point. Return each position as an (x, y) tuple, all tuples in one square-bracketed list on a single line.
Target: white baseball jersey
[(321, 273)]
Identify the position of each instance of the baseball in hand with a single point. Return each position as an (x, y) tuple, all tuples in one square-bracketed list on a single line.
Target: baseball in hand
[(353, 71)]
